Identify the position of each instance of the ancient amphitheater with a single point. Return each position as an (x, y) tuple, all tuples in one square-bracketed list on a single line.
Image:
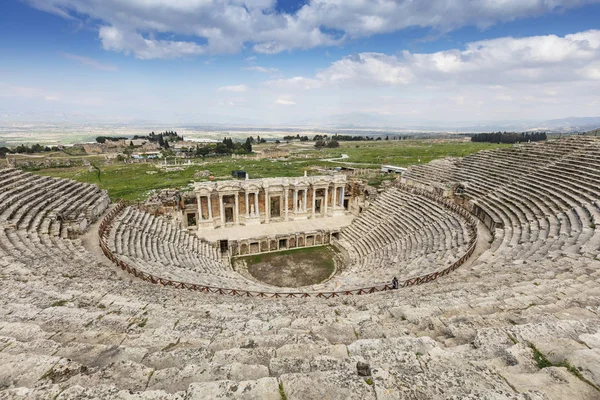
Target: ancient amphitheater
[(497, 256)]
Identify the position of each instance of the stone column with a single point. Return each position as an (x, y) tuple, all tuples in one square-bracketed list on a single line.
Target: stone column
[(221, 209), (267, 206), (295, 201), (305, 199), (256, 210), (334, 202), (199, 200), (246, 203), (237, 208), (326, 200), (342, 190), (286, 202), (209, 207), (314, 201)]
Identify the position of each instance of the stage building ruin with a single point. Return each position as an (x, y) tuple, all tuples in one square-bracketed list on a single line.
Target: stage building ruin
[(263, 201)]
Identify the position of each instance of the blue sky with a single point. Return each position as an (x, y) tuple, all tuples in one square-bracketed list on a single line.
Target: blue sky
[(274, 62)]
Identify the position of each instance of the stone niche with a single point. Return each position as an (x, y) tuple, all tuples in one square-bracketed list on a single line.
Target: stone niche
[(245, 247)]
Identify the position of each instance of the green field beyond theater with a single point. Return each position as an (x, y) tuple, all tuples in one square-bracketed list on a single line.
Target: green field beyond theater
[(135, 181)]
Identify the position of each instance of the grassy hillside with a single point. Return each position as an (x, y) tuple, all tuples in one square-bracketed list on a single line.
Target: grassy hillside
[(135, 181)]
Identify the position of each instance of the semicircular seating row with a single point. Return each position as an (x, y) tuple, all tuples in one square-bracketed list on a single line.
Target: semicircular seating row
[(73, 327), (36, 212), (403, 234), (544, 196), (163, 248)]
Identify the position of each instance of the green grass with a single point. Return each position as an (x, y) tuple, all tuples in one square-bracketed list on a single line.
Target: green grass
[(540, 359), (292, 268), (282, 392), (132, 182), (59, 303), (302, 251), (543, 362), (404, 152)]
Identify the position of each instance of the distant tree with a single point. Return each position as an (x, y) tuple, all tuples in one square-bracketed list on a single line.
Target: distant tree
[(37, 148), (277, 141), (103, 139), (247, 146), (333, 144), (202, 150), (221, 148), (228, 142)]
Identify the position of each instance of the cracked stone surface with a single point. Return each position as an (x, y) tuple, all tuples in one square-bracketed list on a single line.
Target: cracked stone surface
[(74, 326)]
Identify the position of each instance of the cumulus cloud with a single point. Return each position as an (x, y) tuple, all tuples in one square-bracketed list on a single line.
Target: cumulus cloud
[(235, 89), (493, 62), (89, 62), (297, 82), (283, 101), (258, 68), (143, 48), (226, 26), (14, 91)]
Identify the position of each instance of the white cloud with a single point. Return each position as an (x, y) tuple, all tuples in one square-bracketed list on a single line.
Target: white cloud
[(235, 89), (264, 70), (297, 82), (226, 26), (143, 48), (15, 91), (506, 78), (492, 63), (284, 102), (33, 95), (89, 62)]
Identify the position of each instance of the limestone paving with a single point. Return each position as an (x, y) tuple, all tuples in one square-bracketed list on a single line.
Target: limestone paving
[(520, 321)]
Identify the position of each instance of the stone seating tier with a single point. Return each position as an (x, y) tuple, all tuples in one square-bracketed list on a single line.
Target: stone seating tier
[(72, 326)]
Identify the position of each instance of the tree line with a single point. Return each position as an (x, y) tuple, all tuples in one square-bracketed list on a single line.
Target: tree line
[(297, 137), (226, 147), (103, 139), (24, 149), (329, 143), (509, 137), (162, 139)]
